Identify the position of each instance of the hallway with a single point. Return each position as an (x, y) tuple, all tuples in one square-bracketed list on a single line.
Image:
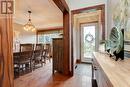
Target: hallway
[(42, 77)]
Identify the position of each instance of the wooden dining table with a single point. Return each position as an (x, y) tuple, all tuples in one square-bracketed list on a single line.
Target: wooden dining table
[(17, 53)]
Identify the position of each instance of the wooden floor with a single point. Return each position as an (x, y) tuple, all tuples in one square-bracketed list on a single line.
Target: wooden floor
[(43, 77)]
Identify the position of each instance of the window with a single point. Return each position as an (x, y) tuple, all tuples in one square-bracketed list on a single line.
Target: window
[(47, 36)]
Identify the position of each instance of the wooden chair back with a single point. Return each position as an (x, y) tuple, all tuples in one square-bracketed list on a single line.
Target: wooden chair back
[(16, 57), (39, 47), (25, 56), (26, 47), (48, 49)]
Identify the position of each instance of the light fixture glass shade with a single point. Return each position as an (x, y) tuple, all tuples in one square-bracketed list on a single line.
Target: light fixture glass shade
[(29, 26)]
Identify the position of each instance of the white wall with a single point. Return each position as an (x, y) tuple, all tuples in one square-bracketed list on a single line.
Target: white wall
[(111, 5), (22, 35), (110, 8)]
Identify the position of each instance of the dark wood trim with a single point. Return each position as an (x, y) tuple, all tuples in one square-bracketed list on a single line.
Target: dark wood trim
[(98, 7), (103, 21), (77, 11), (62, 5), (78, 61), (66, 33), (66, 38), (49, 29), (72, 57), (127, 42)]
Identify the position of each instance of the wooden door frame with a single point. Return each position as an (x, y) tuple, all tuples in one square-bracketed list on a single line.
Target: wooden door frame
[(66, 34), (6, 41), (6, 50), (77, 11)]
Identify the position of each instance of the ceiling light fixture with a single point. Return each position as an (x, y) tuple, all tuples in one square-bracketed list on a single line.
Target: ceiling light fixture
[(29, 26)]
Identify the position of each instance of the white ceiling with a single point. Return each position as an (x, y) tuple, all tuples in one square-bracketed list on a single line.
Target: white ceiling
[(44, 13)]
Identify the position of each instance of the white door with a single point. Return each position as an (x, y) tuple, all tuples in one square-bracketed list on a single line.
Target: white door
[(89, 41)]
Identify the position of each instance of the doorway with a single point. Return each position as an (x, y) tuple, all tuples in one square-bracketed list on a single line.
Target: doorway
[(89, 41), (75, 33)]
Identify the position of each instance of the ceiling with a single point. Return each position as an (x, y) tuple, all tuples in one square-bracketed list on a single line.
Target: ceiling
[(44, 13)]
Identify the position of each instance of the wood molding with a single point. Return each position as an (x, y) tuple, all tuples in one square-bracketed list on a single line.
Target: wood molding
[(72, 51), (66, 32), (6, 54), (66, 38), (62, 5), (98, 7), (78, 61), (49, 29)]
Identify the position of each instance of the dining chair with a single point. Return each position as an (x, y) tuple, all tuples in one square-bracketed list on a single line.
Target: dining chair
[(37, 55), (44, 55), (16, 57), (39, 46), (47, 52), (26, 50), (25, 61), (26, 47), (22, 62)]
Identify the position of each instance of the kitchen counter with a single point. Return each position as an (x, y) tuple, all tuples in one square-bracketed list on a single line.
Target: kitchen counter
[(118, 72)]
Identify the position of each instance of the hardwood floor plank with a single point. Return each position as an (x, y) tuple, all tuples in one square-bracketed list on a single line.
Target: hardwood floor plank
[(43, 77)]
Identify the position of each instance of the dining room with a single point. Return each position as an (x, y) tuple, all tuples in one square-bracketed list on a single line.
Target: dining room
[(34, 34)]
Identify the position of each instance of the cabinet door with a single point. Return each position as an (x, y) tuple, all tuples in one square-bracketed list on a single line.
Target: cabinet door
[(58, 63), (100, 76)]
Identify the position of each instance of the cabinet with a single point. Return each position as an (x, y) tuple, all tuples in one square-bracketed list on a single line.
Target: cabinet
[(110, 73), (99, 75), (58, 61)]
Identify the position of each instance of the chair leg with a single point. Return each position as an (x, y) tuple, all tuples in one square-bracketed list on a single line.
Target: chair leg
[(30, 66), (41, 63), (22, 69), (49, 59), (18, 70), (44, 59), (34, 66)]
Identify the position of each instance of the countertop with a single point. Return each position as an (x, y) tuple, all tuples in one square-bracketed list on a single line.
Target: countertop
[(118, 72)]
